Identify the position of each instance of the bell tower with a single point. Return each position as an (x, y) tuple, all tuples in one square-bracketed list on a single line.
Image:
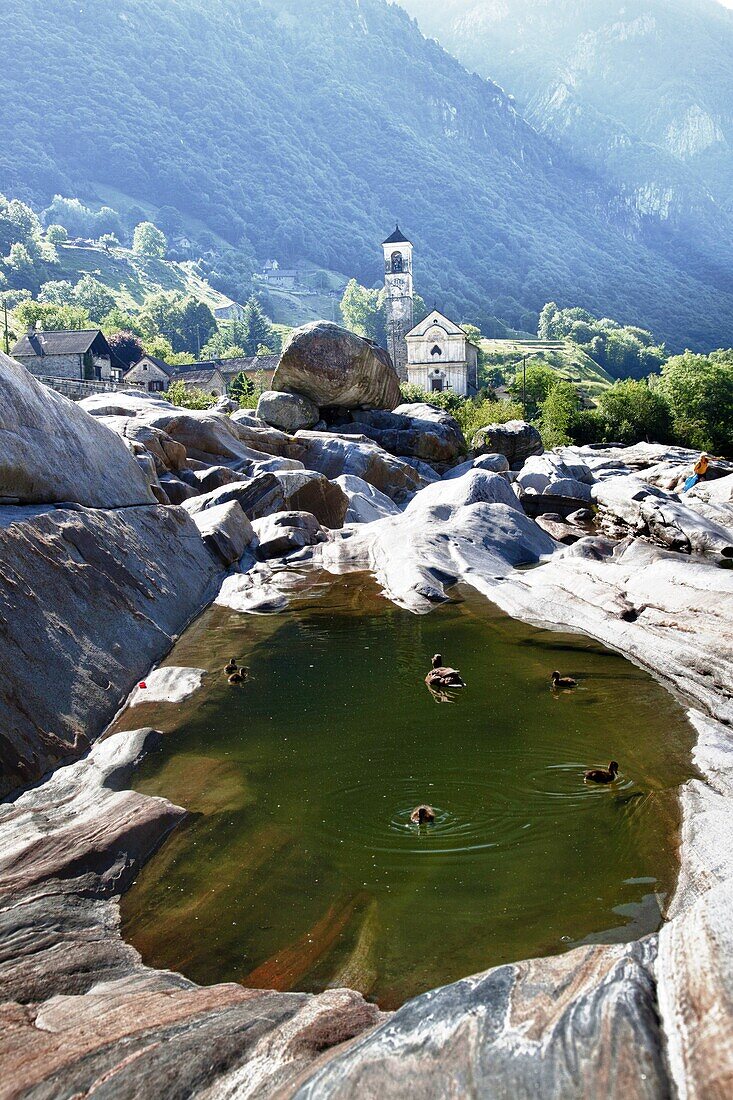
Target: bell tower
[(399, 304)]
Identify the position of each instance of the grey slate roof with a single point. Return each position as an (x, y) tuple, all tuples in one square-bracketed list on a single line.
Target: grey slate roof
[(398, 237), (56, 343), (229, 367)]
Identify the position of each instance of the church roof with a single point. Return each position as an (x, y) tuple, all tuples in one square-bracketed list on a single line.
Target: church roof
[(435, 317), (398, 237)]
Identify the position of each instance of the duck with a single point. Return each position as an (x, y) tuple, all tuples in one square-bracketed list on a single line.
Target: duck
[(231, 666), (602, 775), (559, 681), (238, 676), (422, 814), (442, 677)]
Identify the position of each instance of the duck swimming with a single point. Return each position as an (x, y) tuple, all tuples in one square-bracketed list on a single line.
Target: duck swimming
[(442, 677), (601, 775), (238, 676), (559, 681), (422, 814), (231, 666)]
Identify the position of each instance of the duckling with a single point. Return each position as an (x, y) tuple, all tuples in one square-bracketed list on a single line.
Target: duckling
[(601, 775), (238, 677), (442, 677), (422, 814), (231, 666), (559, 681)]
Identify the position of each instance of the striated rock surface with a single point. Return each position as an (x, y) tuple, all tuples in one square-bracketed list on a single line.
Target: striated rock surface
[(89, 600), (333, 367), (413, 431), (226, 530), (334, 455), (515, 439), (365, 502), (51, 450)]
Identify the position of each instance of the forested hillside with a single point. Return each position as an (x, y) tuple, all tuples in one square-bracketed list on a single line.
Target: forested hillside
[(640, 91), (305, 128)]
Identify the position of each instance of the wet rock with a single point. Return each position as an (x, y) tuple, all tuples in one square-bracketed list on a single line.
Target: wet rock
[(414, 431), (334, 367), (287, 411), (226, 531), (334, 455), (365, 502), (285, 532), (51, 450), (517, 440)]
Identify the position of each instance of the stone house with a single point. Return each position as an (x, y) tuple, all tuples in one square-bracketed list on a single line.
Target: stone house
[(228, 311), (201, 376), (274, 275), (151, 374), (441, 357), (82, 356)]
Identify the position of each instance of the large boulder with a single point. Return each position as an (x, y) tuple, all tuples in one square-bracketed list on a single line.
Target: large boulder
[(287, 411), (415, 431), (285, 532), (334, 455), (51, 450), (516, 439), (540, 470), (335, 368), (497, 464), (226, 531)]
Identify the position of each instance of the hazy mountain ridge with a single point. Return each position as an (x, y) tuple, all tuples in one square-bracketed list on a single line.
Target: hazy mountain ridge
[(304, 128), (639, 90)]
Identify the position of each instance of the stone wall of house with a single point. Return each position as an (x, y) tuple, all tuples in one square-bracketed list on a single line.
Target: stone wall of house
[(54, 366), (142, 374), (454, 376)]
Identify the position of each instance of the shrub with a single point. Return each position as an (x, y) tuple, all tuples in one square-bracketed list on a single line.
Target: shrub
[(189, 398)]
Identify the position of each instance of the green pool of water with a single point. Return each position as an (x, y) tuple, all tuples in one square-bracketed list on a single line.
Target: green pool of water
[(299, 868)]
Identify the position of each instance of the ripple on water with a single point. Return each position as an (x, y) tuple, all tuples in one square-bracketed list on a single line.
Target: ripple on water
[(471, 812)]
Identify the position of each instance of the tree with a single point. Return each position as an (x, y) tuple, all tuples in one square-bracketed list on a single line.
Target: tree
[(361, 309), (699, 390), (160, 348), (256, 328), (632, 411), (127, 347), (51, 317), (559, 414), (57, 234), (94, 297), (58, 293), (540, 380), (241, 386), (148, 240), (184, 320)]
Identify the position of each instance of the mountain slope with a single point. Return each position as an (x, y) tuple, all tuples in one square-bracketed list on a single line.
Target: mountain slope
[(306, 127), (640, 91)]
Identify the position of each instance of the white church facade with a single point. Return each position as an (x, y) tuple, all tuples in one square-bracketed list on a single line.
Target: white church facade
[(435, 354), (441, 357)]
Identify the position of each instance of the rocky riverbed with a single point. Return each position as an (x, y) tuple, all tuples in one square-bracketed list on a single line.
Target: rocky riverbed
[(122, 517)]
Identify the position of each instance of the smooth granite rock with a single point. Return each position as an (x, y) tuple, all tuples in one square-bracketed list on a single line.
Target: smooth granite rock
[(365, 502), (516, 439), (497, 464), (226, 530), (334, 455), (89, 600), (413, 431), (334, 367), (287, 411), (285, 532), (51, 450)]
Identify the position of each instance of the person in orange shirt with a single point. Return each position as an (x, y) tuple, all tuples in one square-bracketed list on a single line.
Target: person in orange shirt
[(699, 471)]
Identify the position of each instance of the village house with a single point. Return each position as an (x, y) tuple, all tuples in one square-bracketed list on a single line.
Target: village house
[(150, 374), (274, 275), (76, 355)]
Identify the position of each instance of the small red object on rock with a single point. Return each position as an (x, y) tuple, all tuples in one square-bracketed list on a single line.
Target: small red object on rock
[(142, 684)]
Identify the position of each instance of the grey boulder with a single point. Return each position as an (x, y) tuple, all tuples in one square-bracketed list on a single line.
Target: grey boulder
[(226, 531), (366, 503), (285, 532), (287, 411), (334, 455), (336, 368), (516, 439), (413, 431)]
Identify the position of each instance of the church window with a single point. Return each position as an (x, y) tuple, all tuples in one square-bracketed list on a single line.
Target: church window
[(436, 350), (396, 262)]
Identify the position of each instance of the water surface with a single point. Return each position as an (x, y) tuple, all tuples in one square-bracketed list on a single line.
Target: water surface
[(299, 867)]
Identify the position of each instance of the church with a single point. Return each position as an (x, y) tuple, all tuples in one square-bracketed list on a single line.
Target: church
[(434, 354)]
